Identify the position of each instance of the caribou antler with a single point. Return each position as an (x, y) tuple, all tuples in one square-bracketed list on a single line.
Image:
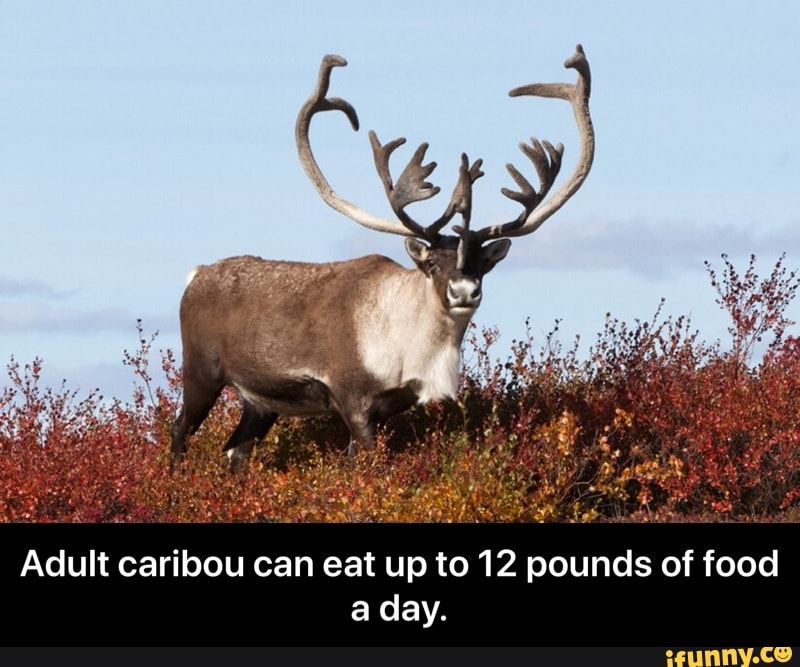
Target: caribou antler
[(412, 187), (546, 158), (319, 102), (461, 201)]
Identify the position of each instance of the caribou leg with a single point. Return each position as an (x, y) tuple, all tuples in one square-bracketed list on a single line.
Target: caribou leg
[(252, 428), (198, 399), (362, 432)]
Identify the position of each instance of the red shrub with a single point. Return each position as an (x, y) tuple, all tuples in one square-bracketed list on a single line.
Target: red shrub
[(651, 424)]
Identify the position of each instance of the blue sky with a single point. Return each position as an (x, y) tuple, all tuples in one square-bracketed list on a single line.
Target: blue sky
[(138, 139)]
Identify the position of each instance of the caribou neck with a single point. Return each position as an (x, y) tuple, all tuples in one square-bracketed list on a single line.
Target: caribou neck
[(406, 335)]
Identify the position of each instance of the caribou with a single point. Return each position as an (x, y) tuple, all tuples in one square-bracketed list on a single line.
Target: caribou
[(365, 338)]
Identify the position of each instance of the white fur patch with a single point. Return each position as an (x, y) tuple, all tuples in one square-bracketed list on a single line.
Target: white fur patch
[(441, 379), (404, 335), (191, 275)]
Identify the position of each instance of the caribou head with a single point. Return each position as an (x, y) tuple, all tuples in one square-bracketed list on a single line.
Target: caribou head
[(459, 260)]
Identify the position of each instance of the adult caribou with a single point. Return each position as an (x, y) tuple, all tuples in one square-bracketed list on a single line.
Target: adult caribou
[(365, 338)]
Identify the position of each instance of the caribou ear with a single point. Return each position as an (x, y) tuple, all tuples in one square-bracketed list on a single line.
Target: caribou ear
[(494, 252), (418, 251)]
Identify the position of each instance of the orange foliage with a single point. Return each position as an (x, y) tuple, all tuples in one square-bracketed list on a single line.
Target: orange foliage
[(653, 424)]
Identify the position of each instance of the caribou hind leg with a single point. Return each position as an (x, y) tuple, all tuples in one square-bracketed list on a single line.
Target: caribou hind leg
[(252, 428), (198, 399)]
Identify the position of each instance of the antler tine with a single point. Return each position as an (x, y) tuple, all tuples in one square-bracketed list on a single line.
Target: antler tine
[(382, 154), (548, 166), (547, 161), (410, 187), (461, 200), (319, 102)]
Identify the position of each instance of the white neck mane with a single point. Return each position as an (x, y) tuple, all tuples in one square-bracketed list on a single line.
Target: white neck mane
[(405, 334)]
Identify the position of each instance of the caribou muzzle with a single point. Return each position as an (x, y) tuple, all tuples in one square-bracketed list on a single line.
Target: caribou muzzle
[(463, 295)]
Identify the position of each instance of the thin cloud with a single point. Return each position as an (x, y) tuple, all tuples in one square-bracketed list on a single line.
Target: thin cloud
[(45, 318), (13, 288), (650, 250)]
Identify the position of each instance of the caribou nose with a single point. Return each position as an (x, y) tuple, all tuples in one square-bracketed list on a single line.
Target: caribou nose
[(463, 293)]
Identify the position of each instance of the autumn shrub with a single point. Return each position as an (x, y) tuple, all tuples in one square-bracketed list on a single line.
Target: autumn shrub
[(650, 423), (62, 458), (731, 420)]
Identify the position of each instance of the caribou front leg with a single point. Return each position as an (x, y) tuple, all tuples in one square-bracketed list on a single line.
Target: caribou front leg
[(362, 432)]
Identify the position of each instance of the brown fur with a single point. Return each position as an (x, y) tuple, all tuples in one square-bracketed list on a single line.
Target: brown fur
[(301, 339)]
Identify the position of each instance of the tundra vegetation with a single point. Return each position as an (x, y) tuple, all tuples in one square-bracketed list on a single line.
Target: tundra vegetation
[(648, 423)]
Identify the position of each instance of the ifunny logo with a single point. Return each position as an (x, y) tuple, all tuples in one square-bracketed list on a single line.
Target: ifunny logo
[(739, 657)]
